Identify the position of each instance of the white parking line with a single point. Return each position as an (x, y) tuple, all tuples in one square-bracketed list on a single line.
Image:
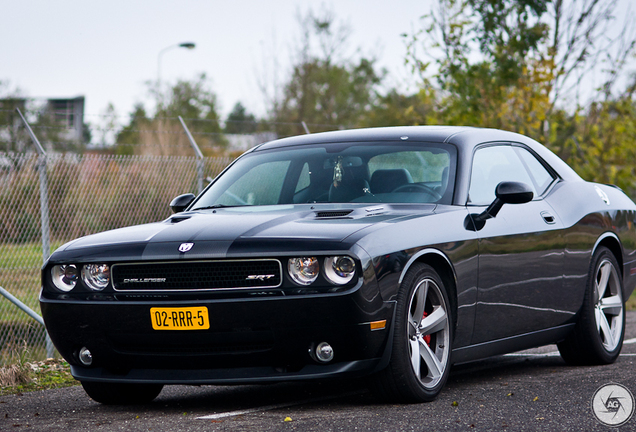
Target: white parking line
[(272, 407), (556, 353), (247, 411), (548, 354)]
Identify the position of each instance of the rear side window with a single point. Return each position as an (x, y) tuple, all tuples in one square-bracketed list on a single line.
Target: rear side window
[(540, 175)]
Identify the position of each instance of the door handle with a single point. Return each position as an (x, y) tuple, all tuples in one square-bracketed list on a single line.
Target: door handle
[(548, 218)]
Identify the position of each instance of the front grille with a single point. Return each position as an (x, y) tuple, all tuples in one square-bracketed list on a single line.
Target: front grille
[(196, 275)]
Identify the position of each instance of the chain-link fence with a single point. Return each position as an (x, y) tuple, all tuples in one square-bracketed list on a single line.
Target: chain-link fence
[(86, 194)]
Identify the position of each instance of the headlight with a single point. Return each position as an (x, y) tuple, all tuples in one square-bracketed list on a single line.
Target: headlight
[(303, 270), (339, 270), (96, 276), (65, 276)]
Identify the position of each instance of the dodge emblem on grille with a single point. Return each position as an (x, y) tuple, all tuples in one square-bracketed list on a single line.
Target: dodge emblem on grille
[(184, 247)]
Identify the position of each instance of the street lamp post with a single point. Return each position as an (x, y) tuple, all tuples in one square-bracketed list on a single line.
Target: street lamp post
[(188, 45)]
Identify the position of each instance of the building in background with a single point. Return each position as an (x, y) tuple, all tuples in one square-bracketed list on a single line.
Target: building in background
[(70, 114), (57, 122)]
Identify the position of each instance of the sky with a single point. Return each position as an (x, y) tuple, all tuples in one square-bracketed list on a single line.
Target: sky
[(108, 50)]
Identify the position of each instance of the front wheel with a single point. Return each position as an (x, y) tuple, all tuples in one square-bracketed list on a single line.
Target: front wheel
[(420, 361), (598, 335), (121, 393)]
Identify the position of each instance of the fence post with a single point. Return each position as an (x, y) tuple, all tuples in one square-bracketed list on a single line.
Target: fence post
[(197, 150), (44, 209)]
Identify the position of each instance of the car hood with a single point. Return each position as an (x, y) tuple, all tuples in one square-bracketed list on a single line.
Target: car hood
[(214, 232)]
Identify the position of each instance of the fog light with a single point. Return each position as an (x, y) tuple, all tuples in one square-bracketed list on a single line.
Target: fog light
[(324, 352), (85, 356)]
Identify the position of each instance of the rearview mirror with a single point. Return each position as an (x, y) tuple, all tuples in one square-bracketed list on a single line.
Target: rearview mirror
[(505, 193), (180, 203), (347, 162)]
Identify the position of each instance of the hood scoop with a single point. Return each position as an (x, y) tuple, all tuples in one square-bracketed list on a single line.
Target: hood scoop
[(177, 219), (333, 214)]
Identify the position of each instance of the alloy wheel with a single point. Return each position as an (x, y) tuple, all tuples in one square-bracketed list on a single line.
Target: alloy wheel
[(428, 333), (608, 305)]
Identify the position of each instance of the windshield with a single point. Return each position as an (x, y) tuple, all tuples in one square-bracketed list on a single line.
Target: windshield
[(337, 173)]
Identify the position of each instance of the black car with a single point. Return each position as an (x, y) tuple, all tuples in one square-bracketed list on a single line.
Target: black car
[(391, 253)]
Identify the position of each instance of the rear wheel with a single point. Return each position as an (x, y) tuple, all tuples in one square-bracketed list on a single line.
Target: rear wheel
[(420, 361), (598, 335), (121, 394)]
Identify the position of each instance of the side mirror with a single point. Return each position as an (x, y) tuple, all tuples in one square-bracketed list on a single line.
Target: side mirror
[(513, 193), (505, 193), (180, 203)]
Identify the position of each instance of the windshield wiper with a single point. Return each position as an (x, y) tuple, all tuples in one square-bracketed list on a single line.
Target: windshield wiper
[(215, 206)]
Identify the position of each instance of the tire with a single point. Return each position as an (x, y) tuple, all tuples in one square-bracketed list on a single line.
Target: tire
[(600, 329), (420, 360), (121, 394)]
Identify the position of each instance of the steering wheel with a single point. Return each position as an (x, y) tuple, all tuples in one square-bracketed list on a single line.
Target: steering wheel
[(417, 187)]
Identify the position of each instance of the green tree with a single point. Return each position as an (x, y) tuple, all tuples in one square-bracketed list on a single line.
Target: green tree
[(129, 135), (397, 109), (600, 143), (513, 63), (523, 65), (325, 90), (13, 135), (489, 64), (240, 121), (162, 134)]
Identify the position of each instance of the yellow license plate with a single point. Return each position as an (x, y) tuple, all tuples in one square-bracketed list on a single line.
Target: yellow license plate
[(180, 318)]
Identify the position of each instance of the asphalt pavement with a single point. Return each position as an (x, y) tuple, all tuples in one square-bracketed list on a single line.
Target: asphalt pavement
[(526, 391)]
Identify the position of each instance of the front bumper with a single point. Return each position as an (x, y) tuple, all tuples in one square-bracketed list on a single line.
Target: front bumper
[(249, 340)]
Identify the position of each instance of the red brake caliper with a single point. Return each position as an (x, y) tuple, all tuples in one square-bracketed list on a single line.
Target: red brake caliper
[(427, 338)]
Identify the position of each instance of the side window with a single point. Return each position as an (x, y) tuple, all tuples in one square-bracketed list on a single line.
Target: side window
[(261, 185), (541, 176), (491, 166), (303, 180)]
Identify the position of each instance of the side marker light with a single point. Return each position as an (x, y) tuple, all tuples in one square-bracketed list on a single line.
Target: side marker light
[(378, 325)]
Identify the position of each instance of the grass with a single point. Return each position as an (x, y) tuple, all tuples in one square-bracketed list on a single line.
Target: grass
[(21, 374), (34, 376), (631, 302), (20, 275)]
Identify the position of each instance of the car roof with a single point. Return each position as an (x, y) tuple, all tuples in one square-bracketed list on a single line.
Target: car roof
[(418, 133)]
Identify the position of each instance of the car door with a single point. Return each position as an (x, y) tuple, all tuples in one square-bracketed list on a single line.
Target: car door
[(521, 250)]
